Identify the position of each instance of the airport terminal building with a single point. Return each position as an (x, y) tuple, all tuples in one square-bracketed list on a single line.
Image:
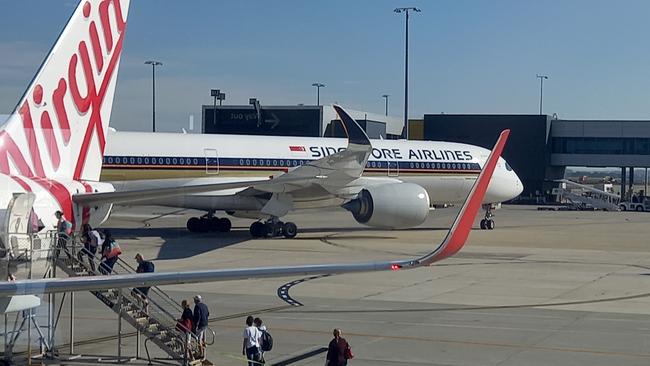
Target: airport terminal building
[(541, 147)]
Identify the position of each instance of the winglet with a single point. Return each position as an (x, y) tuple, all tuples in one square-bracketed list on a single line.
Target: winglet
[(356, 135), (460, 229)]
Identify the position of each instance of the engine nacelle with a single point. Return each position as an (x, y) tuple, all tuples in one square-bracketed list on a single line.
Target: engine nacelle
[(390, 206)]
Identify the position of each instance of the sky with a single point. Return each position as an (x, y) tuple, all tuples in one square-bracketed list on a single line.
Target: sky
[(465, 56)]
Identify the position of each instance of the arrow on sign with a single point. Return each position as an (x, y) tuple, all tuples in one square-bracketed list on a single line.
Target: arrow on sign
[(274, 120)]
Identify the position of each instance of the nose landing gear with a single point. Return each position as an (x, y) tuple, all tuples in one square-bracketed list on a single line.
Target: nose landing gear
[(487, 223), (272, 228)]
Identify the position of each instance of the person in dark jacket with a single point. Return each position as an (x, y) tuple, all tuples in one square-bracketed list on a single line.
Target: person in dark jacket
[(143, 267), (143, 292), (336, 350), (200, 321)]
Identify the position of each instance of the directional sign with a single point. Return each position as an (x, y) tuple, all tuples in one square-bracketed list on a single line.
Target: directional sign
[(281, 121)]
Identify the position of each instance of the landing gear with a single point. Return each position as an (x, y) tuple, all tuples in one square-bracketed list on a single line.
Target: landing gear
[(207, 223), (272, 228), (487, 223)]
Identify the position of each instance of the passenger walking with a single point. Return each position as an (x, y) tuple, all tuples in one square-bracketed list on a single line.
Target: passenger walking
[(251, 344), (143, 267), (63, 233), (200, 322), (110, 253), (266, 341), (338, 351), (91, 240), (185, 326)]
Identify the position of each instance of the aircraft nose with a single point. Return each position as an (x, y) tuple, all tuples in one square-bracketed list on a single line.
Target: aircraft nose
[(504, 187), (518, 186)]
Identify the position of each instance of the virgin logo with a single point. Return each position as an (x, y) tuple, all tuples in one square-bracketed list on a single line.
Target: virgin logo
[(55, 119)]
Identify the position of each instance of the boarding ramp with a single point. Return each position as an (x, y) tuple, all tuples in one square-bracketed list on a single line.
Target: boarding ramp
[(155, 315), (582, 196)]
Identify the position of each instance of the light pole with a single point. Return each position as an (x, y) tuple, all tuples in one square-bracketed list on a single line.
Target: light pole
[(153, 78), (385, 96), (318, 86), (406, 67), (215, 93), (541, 90)]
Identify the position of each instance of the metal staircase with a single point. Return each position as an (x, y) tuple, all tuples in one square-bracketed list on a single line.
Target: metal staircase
[(155, 315)]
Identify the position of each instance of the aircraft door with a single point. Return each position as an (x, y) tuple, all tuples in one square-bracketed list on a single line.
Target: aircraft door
[(393, 168), (211, 161), (15, 238)]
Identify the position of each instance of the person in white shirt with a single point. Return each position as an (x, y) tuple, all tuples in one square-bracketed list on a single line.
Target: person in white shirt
[(251, 344), (259, 325)]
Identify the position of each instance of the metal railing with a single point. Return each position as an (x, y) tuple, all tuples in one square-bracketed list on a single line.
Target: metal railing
[(156, 305)]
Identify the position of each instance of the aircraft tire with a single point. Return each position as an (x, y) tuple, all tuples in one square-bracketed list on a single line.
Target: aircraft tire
[(212, 224), (483, 224), (257, 229), (274, 229), (289, 230), (193, 224), (204, 225), (224, 225), (489, 224)]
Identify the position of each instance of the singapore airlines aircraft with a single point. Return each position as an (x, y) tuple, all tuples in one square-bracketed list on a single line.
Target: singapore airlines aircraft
[(453, 242), (400, 180)]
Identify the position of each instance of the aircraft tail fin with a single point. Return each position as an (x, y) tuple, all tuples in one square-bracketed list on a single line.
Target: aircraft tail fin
[(58, 128)]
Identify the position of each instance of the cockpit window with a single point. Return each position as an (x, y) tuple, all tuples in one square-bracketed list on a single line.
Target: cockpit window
[(508, 167)]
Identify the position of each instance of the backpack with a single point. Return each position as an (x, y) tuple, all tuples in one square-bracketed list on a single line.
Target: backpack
[(266, 341), (113, 250)]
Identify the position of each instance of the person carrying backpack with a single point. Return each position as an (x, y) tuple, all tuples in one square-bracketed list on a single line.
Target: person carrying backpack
[(266, 341), (251, 344), (91, 240), (143, 292), (110, 252)]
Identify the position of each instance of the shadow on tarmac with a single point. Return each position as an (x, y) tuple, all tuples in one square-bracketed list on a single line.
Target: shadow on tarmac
[(176, 244)]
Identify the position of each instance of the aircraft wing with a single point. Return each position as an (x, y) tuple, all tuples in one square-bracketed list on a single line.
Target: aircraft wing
[(453, 242), (334, 171)]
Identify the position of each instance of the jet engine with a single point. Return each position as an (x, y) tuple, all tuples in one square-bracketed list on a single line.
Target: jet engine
[(390, 206)]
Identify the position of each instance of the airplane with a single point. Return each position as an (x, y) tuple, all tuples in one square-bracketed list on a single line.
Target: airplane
[(452, 243), (392, 189), (51, 146)]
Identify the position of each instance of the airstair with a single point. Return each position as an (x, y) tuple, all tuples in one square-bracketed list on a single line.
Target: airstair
[(155, 315), (581, 196)]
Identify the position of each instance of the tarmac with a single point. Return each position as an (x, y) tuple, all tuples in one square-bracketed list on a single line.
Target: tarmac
[(543, 288)]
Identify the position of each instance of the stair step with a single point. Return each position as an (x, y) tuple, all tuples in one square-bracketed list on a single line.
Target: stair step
[(142, 320)]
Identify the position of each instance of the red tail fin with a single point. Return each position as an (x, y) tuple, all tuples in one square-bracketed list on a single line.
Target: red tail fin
[(58, 128)]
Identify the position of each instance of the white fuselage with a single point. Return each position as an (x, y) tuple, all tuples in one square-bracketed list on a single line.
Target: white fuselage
[(446, 170)]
